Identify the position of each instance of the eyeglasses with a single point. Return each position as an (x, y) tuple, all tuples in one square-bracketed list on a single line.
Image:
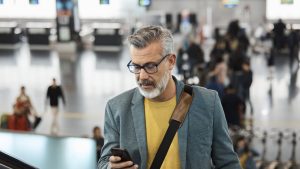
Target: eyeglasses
[(148, 67)]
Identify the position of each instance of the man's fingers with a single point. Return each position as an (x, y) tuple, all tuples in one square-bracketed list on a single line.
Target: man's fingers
[(126, 164), (114, 159), (133, 167), (114, 163)]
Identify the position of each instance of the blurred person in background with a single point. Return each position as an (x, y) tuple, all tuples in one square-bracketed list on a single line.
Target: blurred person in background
[(246, 82), (233, 107), (245, 153), (217, 77), (97, 136), (54, 92), (23, 108), (279, 38), (196, 56), (23, 103)]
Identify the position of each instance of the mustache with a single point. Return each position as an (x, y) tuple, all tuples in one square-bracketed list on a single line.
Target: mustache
[(146, 82)]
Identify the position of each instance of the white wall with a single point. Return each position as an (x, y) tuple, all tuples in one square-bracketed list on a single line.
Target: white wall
[(220, 15), (22, 9), (276, 10), (91, 9), (129, 10)]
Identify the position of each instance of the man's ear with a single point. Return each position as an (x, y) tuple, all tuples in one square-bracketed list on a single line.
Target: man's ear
[(172, 61)]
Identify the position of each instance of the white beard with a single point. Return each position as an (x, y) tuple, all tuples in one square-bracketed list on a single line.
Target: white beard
[(161, 86)]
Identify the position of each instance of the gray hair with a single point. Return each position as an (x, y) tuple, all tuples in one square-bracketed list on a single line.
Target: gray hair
[(149, 34)]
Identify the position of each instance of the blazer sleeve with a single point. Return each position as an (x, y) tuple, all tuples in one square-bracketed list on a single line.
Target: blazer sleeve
[(223, 155), (111, 135)]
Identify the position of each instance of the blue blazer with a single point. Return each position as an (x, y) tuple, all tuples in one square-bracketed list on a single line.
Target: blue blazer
[(203, 138)]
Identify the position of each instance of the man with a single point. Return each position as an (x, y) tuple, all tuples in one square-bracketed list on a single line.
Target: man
[(54, 92), (137, 119), (23, 104), (97, 136), (279, 34), (22, 110), (233, 107)]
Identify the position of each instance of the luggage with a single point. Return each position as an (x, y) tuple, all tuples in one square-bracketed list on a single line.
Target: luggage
[(18, 122), (36, 122), (3, 122)]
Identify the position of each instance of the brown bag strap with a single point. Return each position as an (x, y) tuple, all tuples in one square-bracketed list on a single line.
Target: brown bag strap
[(183, 106), (175, 123)]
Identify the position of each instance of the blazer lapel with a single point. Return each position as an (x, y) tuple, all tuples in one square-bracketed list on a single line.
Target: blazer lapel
[(182, 137), (138, 116), (183, 131)]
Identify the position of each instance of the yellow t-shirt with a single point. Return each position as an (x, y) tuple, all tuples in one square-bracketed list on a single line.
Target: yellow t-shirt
[(157, 116)]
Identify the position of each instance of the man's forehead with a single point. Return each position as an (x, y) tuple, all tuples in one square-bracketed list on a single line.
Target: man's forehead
[(148, 53), (144, 53)]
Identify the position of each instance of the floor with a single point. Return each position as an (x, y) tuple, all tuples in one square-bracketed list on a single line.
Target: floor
[(94, 77), (87, 82)]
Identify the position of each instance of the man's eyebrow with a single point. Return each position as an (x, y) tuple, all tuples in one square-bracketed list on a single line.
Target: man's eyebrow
[(132, 63), (151, 62)]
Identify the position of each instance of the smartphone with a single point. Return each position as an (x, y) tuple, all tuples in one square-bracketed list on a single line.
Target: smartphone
[(121, 152)]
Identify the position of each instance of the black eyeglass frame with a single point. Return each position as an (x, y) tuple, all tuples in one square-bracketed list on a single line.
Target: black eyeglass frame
[(144, 66)]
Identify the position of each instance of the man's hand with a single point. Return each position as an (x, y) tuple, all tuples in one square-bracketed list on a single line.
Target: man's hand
[(114, 163)]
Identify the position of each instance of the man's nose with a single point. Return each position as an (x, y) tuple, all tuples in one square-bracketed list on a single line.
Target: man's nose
[(143, 74)]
